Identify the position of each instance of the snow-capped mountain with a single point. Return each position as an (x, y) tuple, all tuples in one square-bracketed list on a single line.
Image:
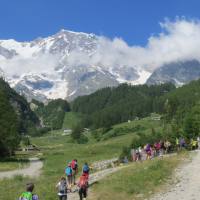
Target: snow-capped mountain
[(64, 65), (178, 73)]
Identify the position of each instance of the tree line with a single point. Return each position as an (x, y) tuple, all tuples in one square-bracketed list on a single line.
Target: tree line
[(110, 106), (179, 107), (16, 119), (52, 114)]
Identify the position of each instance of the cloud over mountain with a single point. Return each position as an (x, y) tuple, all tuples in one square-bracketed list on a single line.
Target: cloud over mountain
[(95, 60), (179, 40)]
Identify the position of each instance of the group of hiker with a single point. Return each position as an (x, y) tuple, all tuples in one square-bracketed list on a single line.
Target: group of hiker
[(66, 183), (159, 148), (148, 151), (192, 144)]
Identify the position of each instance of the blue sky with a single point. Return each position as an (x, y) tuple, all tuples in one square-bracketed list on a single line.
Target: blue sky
[(133, 20)]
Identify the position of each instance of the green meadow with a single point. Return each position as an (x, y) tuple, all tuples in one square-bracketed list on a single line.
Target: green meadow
[(58, 150), (138, 180)]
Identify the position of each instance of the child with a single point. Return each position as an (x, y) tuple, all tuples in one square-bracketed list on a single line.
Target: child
[(83, 185), (68, 172), (86, 170), (74, 166), (28, 194), (62, 189)]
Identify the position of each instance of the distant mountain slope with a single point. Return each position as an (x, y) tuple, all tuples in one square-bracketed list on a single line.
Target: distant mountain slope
[(178, 73), (71, 64)]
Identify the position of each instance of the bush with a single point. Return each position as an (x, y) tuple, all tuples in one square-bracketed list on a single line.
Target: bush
[(125, 153), (82, 140)]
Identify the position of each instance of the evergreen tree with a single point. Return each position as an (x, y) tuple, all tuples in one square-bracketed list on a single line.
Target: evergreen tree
[(192, 122), (9, 127)]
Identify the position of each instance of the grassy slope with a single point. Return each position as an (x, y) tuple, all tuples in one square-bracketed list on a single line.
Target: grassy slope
[(58, 150), (146, 125), (138, 126), (71, 119), (137, 181)]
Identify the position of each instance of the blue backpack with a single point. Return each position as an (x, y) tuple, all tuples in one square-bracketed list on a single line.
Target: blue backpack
[(68, 171), (86, 169)]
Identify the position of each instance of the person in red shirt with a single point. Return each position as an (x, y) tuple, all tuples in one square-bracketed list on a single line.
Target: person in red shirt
[(83, 186)]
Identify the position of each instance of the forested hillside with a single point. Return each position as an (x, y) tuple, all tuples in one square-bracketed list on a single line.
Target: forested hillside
[(182, 107), (51, 115), (16, 119), (110, 106), (179, 107)]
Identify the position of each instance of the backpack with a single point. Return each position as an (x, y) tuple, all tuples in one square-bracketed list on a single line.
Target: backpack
[(62, 187), (86, 169), (26, 196), (74, 165), (68, 171), (148, 148), (83, 183), (35, 197)]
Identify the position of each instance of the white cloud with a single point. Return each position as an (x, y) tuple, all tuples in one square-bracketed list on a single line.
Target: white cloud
[(179, 40), (20, 65)]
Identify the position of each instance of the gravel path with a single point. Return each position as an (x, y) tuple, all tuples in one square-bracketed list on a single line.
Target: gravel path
[(187, 185), (95, 177), (33, 170)]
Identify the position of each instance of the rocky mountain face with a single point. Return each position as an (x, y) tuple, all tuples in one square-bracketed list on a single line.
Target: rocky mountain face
[(68, 64), (60, 66), (178, 73)]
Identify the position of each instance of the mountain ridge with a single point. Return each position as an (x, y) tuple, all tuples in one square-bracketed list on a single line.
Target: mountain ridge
[(70, 64), (64, 62), (178, 73)]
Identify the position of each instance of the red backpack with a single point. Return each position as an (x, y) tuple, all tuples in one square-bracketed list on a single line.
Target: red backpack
[(83, 182), (74, 165)]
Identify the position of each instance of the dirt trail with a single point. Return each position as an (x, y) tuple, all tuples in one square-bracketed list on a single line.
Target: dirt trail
[(95, 178), (33, 170), (187, 185)]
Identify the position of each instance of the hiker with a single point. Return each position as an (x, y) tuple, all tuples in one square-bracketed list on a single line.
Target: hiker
[(148, 151), (133, 154), (74, 166), (193, 144), (137, 154), (83, 186), (167, 145), (86, 170), (142, 154), (28, 195), (162, 147), (68, 172), (62, 189), (198, 142), (153, 151), (157, 148), (182, 143), (177, 144)]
